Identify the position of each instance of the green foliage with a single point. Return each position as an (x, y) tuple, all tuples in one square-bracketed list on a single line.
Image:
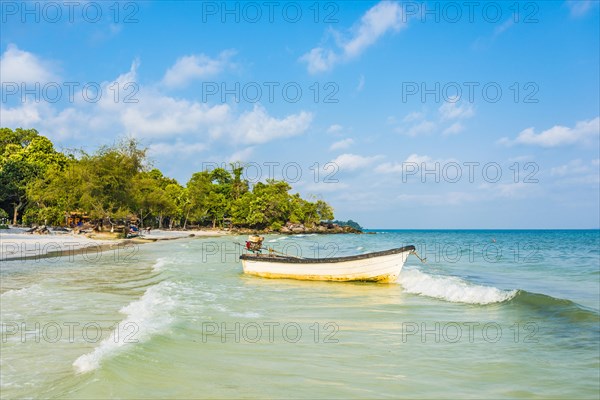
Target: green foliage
[(41, 186), (3, 219), (19, 137), (276, 226), (25, 156), (349, 223)]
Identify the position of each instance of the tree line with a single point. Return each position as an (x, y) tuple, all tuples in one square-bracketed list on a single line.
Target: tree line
[(40, 185)]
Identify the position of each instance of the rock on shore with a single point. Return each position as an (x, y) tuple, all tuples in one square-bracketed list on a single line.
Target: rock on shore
[(290, 228)]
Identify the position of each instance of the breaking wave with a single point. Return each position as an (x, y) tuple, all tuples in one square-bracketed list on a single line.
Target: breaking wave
[(452, 289), (146, 317)]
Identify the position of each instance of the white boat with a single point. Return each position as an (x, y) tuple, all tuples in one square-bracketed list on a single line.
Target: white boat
[(381, 266)]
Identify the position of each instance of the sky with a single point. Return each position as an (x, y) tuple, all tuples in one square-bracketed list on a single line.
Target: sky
[(408, 115)]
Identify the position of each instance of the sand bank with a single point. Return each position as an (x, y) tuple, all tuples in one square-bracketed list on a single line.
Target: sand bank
[(15, 244)]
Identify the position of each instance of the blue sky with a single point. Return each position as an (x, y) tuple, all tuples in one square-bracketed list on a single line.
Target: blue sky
[(399, 114)]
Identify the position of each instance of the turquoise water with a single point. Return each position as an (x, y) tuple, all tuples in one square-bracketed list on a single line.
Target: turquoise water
[(501, 314)]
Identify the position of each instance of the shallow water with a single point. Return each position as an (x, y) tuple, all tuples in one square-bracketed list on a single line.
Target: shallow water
[(502, 314)]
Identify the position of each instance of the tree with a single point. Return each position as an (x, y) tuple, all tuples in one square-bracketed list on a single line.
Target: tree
[(238, 186), (324, 210), (25, 156), (19, 137), (198, 189), (271, 203), (148, 197), (37, 183), (151, 195), (54, 193), (109, 176), (3, 216), (177, 202)]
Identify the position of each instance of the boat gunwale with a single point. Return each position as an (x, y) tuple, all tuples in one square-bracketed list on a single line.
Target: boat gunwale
[(294, 260)]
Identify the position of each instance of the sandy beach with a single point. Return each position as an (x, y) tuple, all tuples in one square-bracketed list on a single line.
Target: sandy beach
[(16, 244)]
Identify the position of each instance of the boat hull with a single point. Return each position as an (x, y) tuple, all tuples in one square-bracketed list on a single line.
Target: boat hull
[(374, 267)]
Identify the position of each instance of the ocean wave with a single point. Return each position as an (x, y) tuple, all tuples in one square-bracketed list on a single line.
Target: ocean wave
[(146, 317), (33, 290), (451, 288), (247, 314), (555, 307), (160, 263), (456, 290)]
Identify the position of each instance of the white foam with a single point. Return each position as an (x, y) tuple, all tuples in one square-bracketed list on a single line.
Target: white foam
[(27, 291), (160, 263), (149, 315), (451, 289), (247, 314)]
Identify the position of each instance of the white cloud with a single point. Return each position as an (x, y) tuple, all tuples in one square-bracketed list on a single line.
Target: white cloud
[(503, 27), (351, 162), (152, 115), (450, 198), (453, 129), (21, 66), (452, 110), (526, 158), (241, 155), (384, 17), (583, 132), (513, 190), (157, 116), (420, 128), (415, 158), (198, 66), (28, 114), (413, 116), (361, 83), (56, 124), (334, 129), (577, 172), (106, 32), (485, 193), (413, 163), (573, 166), (447, 120), (319, 60), (378, 20), (342, 144), (320, 187), (579, 8), (256, 126), (175, 150), (389, 168)]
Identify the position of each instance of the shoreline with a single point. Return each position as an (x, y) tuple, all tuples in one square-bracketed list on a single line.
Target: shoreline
[(16, 245)]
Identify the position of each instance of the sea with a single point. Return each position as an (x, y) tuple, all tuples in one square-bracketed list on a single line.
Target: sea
[(489, 314)]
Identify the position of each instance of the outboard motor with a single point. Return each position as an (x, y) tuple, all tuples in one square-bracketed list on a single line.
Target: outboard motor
[(254, 243)]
